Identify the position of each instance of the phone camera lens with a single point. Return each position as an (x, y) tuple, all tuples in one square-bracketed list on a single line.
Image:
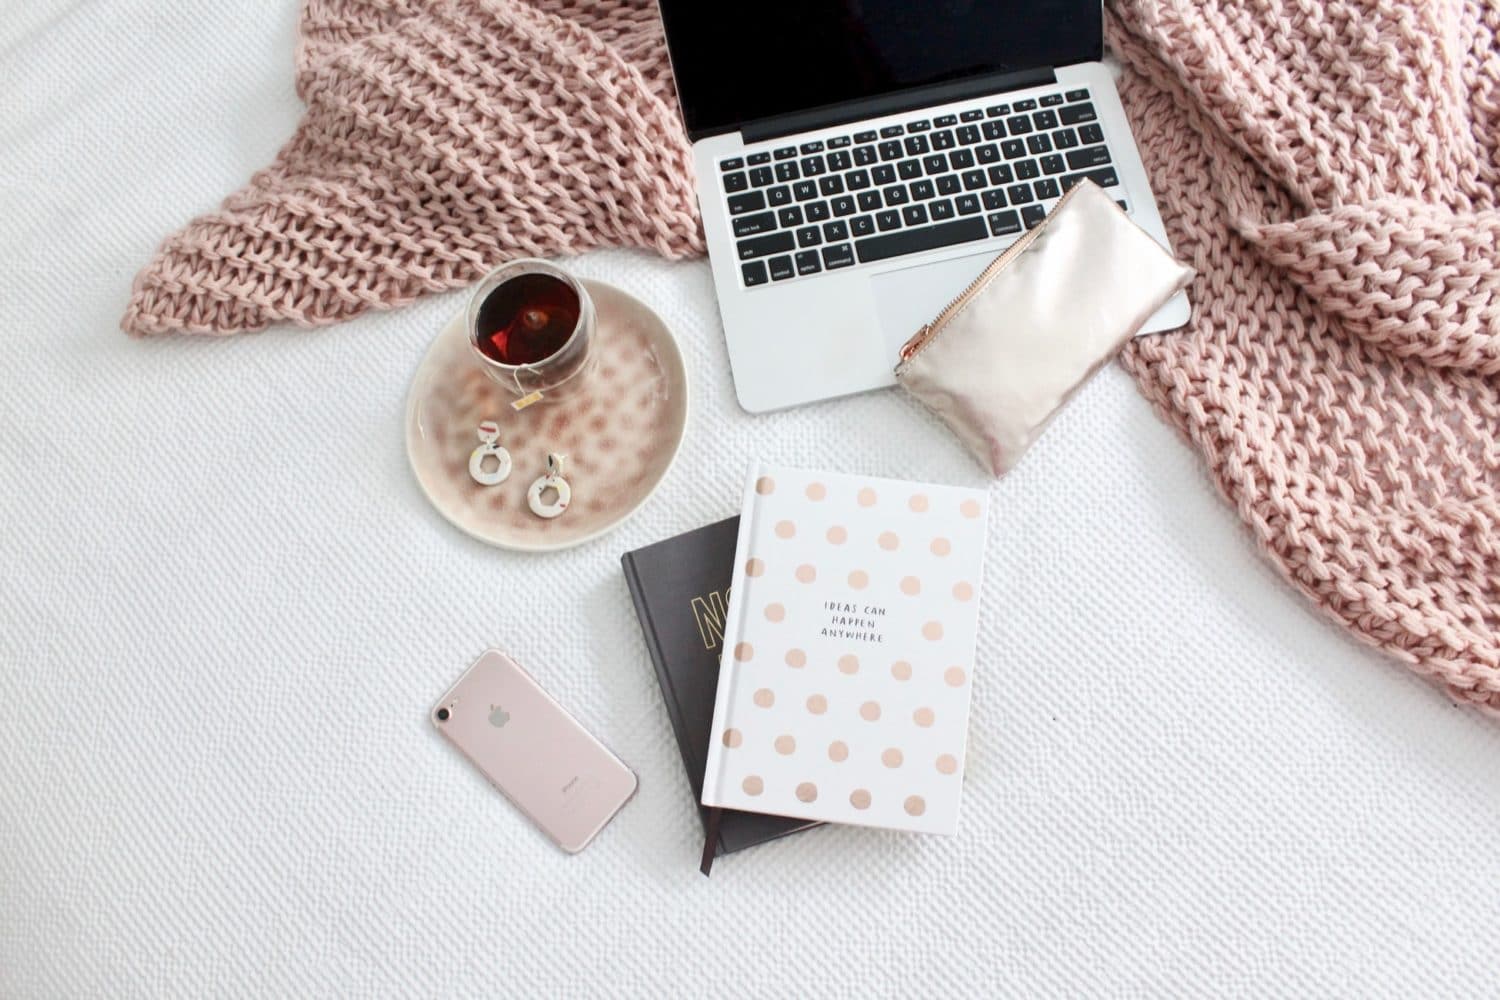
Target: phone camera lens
[(442, 715)]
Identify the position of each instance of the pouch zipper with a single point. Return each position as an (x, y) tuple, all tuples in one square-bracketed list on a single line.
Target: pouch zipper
[(930, 330)]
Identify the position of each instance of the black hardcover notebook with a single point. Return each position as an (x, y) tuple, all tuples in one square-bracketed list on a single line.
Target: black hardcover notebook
[(681, 592)]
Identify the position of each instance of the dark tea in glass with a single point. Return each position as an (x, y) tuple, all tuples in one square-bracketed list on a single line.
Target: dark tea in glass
[(527, 319)]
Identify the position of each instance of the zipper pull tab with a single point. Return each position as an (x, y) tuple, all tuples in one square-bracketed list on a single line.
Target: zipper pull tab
[(909, 348)]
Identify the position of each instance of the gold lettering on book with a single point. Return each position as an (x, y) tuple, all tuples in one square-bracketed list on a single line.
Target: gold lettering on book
[(709, 612)]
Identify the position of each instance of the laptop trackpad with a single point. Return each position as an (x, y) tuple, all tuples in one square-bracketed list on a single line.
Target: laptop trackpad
[(907, 298)]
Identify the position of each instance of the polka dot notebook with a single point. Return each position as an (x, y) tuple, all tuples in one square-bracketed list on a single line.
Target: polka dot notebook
[(849, 651)]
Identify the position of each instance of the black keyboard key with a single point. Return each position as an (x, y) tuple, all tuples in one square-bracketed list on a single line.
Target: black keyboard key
[(839, 256), (790, 218), (967, 204), (736, 181), (779, 195), (786, 152), (1074, 114), (750, 201), (1077, 95), (835, 231), (972, 115), (754, 273), (961, 159), (968, 135), (866, 136), (1093, 156), (914, 215), (869, 201), (807, 262), (1051, 100), (994, 198), (843, 205), (945, 121), (1090, 134), (973, 180), (733, 163), (1001, 173), (781, 268), (948, 184), (888, 220), (1038, 144), (988, 153), (909, 170), (916, 145), (920, 125), (916, 240), (1032, 216), (786, 171), (921, 190), (809, 236), (1104, 177), (890, 150), (839, 161), (1065, 138), (1044, 120), (994, 129), (1013, 148), (937, 163), (1028, 170), (891, 131), (940, 210), (862, 225), (895, 195), (758, 159), (1019, 194), (865, 155), (753, 225), (838, 143), (816, 146), (760, 176), (817, 211), (995, 111), (857, 180), (764, 246), (884, 174), (831, 186), (1053, 164), (814, 166), (1047, 189), (942, 140), (803, 190), (1018, 125), (1004, 223), (1027, 105)]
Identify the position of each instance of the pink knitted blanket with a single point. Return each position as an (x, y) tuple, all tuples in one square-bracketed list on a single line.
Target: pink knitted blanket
[(1329, 168)]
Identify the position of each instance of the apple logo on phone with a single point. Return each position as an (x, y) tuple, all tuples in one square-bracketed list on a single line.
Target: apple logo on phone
[(498, 716)]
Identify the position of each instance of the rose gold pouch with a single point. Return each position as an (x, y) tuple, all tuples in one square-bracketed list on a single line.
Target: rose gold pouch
[(1005, 356)]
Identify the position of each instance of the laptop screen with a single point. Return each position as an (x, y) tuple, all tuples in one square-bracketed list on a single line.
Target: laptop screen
[(736, 63)]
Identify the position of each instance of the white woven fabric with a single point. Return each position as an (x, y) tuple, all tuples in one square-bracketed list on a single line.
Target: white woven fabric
[(225, 610)]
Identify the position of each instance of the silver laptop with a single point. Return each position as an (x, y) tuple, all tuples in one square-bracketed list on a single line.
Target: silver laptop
[(859, 162)]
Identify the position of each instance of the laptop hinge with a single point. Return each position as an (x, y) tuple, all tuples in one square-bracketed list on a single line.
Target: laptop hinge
[(889, 104)]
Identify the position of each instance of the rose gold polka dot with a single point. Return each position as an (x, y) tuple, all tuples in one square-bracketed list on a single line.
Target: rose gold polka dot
[(785, 743), (785, 529), (889, 541), (806, 573), (963, 590), (922, 717), (914, 805), (860, 798), (941, 546), (933, 631), (775, 612), (947, 764), (911, 585), (744, 651), (859, 579), (753, 785), (733, 738), (870, 711), (867, 497), (918, 502), (816, 491), (838, 751), (837, 535), (765, 697), (892, 757), (755, 567), (848, 664), (765, 485), (817, 704), (969, 508), (955, 676), (901, 670), (796, 658), (807, 791)]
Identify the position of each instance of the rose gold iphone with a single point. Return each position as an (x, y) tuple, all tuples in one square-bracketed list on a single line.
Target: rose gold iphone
[(534, 752)]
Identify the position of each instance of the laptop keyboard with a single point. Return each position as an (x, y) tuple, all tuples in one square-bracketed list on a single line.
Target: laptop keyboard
[(870, 195)]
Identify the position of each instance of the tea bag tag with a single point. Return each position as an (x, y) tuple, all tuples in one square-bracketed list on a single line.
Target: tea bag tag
[(534, 396)]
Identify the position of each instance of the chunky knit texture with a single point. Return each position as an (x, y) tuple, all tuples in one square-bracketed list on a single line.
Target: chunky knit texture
[(1330, 169)]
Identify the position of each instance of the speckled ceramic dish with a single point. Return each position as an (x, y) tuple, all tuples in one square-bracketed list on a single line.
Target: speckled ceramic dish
[(620, 430)]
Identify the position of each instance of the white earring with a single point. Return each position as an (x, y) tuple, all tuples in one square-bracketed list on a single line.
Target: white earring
[(489, 433), (555, 482)]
